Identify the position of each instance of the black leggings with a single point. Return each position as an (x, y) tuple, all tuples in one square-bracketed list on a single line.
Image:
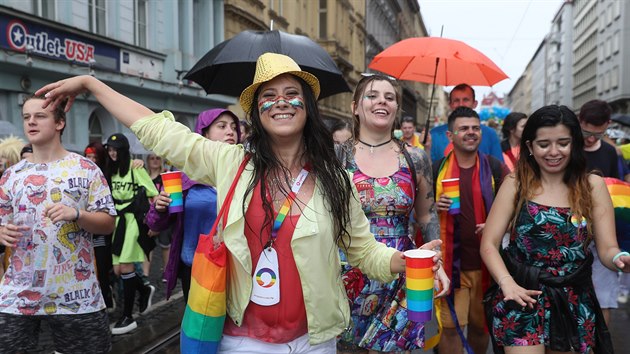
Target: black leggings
[(103, 255)]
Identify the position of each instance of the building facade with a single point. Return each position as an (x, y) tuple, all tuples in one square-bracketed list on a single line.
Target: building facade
[(613, 52), (337, 25), (539, 77), (520, 97), (559, 83), (134, 46), (584, 51)]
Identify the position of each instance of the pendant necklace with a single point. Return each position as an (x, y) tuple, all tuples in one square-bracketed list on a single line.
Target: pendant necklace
[(374, 146)]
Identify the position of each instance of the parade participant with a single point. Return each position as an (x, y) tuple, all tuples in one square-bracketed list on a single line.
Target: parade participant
[(51, 205), (408, 127), (478, 178), (512, 129), (341, 131), (305, 308), (463, 95), (26, 152), (155, 168), (129, 233), (200, 204), (102, 243), (383, 171), (601, 159), (545, 299)]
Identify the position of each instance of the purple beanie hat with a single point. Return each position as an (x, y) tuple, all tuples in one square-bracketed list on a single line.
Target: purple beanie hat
[(204, 120)]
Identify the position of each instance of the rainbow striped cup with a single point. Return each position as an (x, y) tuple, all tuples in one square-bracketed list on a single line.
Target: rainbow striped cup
[(419, 272), (172, 182), (450, 187)]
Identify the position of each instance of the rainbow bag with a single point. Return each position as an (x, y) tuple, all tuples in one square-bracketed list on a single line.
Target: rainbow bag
[(204, 317)]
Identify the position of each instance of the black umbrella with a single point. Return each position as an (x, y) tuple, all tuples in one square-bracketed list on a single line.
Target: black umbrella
[(621, 119), (229, 67)]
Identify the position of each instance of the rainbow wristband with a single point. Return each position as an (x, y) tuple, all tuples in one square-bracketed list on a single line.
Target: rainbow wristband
[(616, 257)]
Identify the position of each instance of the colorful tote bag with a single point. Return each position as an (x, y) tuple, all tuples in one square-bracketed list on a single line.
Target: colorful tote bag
[(204, 317)]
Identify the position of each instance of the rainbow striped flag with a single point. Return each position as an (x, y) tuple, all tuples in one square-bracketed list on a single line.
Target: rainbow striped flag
[(204, 317), (620, 194)]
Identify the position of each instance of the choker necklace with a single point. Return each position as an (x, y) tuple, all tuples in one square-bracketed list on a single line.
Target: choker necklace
[(374, 146)]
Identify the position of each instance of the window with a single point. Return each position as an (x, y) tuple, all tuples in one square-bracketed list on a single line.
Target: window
[(276, 5), (45, 8), (96, 131), (140, 16), (96, 16), (323, 17), (615, 42), (614, 77)]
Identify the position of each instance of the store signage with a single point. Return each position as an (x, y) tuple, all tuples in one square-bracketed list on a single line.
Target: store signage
[(24, 36)]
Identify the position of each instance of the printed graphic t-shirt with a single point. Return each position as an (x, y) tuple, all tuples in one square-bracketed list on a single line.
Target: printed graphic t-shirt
[(53, 273)]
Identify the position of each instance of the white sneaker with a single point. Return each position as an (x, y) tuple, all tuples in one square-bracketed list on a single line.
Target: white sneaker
[(622, 298)]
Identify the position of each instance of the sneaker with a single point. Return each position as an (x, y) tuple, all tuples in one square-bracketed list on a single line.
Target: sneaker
[(124, 325), (146, 298)]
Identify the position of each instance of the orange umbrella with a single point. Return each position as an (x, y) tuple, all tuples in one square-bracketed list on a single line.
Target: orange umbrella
[(439, 61)]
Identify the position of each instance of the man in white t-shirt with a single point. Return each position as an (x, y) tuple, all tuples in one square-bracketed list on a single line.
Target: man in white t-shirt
[(58, 199)]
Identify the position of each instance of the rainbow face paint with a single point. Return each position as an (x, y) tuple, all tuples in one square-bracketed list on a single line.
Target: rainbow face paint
[(295, 102)]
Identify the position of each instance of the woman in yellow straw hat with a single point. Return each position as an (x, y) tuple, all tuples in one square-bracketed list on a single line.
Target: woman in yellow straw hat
[(298, 298)]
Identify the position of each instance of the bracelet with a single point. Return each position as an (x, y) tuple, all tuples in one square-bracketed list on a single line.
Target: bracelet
[(503, 277), (76, 218), (616, 257)]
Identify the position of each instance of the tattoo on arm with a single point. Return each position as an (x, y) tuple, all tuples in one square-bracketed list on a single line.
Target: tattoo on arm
[(431, 230)]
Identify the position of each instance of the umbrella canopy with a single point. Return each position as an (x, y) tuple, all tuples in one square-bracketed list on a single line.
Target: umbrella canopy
[(229, 67), (621, 119), (415, 59)]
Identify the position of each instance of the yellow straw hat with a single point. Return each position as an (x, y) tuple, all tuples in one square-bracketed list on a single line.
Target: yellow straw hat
[(270, 65)]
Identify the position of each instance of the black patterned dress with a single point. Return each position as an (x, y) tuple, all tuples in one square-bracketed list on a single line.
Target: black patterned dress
[(552, 239)]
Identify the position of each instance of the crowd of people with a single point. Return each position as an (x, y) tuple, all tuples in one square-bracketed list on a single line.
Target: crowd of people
[(526, 253)]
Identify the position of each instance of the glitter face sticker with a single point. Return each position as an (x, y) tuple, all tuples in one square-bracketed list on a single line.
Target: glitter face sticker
[(295, 102)]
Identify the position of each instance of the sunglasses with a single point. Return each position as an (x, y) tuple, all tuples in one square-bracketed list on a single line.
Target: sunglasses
[(588, 134), (386, 77)]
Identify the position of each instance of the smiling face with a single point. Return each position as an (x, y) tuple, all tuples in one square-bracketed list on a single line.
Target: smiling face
[(462, 98), (223, 129), (377, 107), (551, 148), (112, 152), (40, 125), (465, 134), (281, 107)]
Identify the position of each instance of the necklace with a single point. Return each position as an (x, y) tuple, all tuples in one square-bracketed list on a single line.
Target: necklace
[(374, 146)]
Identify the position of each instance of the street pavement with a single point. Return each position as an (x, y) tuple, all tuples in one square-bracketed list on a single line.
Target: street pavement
[(165, 317)]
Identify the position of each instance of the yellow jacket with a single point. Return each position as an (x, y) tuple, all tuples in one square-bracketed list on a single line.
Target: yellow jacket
[(316, 254)]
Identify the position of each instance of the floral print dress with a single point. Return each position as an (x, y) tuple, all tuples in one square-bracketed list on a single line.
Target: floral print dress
[(552, 239), (379, 314)]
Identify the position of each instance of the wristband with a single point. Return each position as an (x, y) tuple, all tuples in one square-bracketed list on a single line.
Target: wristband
[(616, 257), (76, 218)]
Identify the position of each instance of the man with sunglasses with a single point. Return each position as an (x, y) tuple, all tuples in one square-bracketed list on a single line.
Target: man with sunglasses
[(602, 159)]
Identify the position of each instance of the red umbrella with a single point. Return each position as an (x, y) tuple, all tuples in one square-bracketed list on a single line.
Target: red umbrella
[(415, 59), (439, 61)]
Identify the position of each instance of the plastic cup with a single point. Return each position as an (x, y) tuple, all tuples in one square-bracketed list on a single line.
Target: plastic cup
[(450, 187), (172, 182), (420, 276)]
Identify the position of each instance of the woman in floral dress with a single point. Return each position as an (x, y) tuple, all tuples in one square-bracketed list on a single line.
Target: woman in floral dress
[(544, 301), (380, 167)]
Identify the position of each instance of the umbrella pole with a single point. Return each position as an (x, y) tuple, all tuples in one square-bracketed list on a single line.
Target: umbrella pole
[(428, 122)]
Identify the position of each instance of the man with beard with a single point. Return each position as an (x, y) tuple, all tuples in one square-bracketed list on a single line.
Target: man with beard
[(463, 207), (50, 205)]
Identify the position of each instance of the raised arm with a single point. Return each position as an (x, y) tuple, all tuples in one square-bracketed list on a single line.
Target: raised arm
[(126, 110)]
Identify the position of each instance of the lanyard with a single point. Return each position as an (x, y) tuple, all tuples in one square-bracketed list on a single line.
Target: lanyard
[(286, 206)]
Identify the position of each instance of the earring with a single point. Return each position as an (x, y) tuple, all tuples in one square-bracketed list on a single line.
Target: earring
[(530, 154)]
